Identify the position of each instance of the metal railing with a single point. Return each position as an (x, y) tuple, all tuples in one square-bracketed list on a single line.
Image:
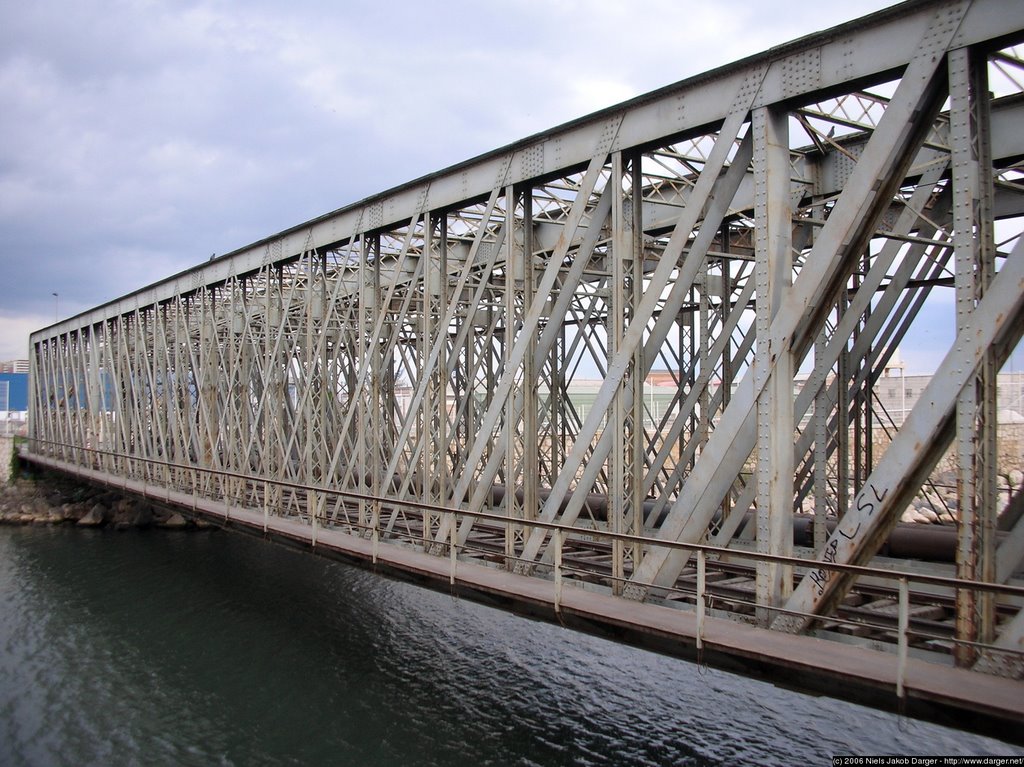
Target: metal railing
[(234, 489)]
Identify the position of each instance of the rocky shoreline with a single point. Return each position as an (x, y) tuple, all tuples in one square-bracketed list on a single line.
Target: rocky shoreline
[(937, 503), (53, 501)]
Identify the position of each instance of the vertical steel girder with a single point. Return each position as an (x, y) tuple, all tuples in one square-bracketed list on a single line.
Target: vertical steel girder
[(773, 367), (974, 245), (601, 327)]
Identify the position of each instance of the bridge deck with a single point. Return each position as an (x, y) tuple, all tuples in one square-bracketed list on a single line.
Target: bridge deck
[(955, 697)]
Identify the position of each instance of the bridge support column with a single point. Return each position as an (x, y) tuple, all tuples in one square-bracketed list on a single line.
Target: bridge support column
[(514, 269), (626, 460), (976, 407), (773, 366)]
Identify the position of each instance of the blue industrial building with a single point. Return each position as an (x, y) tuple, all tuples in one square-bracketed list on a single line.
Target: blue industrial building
[(14, 392)]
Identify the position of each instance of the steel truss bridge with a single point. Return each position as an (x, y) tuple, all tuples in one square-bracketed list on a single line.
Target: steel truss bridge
[(394, 383)]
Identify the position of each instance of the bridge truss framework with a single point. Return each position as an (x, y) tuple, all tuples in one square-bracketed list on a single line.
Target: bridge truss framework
[(401, 371)]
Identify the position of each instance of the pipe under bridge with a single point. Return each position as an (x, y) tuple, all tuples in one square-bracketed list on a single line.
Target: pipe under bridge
[(452, 380)]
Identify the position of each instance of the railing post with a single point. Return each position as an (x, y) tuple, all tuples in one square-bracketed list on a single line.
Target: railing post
[(454, 535), (376, 530), (904, 625), (314, 526), (701, 584), (266, 506), (558, 569)]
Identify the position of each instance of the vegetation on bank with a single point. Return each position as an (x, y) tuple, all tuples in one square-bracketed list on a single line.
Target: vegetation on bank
[(15, 472)]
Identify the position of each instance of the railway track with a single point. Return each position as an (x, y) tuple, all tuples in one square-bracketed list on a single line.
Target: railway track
[(868, 614)]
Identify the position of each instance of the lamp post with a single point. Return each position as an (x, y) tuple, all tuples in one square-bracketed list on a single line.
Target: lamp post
[(56, 307)]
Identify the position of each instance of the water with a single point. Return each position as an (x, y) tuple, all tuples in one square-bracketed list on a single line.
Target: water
[(162, 648)]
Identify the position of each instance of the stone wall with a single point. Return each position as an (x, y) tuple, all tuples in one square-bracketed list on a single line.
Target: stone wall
[(1009, 446)]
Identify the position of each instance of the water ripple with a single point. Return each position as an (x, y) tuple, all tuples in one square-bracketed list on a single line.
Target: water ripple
[(214, 649)]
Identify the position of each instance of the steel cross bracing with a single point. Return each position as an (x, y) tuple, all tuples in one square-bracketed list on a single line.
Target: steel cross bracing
[(794, 216)]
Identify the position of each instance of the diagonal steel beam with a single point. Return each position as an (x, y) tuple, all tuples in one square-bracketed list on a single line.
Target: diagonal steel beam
[(520, 347), (716, 192), (543, 346), (842, 239), (998, 320)]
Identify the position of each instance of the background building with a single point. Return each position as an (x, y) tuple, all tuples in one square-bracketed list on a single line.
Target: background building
[(13, 402), (14, 366)]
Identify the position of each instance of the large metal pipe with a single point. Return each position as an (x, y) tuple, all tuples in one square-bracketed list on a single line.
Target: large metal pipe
[(932, 543)]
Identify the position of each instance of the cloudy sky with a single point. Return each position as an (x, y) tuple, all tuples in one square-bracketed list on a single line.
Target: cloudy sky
[(138, 137)]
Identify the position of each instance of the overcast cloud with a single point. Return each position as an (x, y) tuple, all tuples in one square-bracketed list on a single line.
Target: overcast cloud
[(139, 137)]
